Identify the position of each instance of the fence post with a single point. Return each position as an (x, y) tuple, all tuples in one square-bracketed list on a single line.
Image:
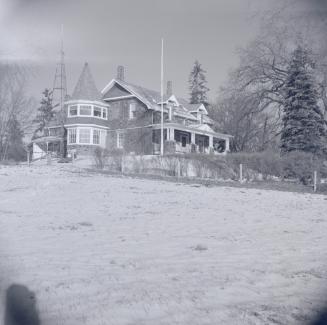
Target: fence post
[(315, 181), (28, 157), (178, 169), (241, 173), (122, 164)]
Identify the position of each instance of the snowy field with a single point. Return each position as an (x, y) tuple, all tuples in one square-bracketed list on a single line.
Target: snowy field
[(98, 249)]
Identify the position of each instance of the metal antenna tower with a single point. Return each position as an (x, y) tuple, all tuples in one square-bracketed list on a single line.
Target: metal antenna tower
[(59, 91)]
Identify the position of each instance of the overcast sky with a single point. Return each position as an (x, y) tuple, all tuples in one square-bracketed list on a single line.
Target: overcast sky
[(108, 33)]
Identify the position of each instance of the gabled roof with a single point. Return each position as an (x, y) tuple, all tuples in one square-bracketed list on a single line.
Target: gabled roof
[(192, 107), (152, 98), (85, 88)]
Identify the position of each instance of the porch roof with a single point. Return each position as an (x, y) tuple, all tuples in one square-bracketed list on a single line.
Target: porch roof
[(193, 128), (47, 139)]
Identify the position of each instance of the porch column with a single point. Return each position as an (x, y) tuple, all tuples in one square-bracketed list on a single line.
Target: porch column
[(226, 145), (192, 137), (171, 134), (210, 141)]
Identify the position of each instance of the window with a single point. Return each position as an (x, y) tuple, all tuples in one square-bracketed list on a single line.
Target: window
[(104, 113), (85, 110), (72, 110), (71, 136), (97, 111), (120, 140), (132, 111), (84, 136), (88, 110), (103, 135), (96, 136)]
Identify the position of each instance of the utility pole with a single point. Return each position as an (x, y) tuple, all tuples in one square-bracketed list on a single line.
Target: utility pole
[(162, 112)]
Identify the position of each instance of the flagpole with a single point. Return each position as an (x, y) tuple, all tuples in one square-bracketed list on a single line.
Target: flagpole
[(162, 112)]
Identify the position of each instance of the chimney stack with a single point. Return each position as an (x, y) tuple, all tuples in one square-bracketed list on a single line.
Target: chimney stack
[(169, 90), (121, 73)]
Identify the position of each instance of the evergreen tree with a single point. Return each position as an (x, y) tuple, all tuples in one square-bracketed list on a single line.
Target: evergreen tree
[(303, 122), (198, 85), (45, 112)]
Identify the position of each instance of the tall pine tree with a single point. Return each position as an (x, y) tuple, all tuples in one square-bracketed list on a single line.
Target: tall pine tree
[(45, 112), (303, 122), (198, 85)]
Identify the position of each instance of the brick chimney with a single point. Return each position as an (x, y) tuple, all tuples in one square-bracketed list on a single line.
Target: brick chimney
[(169, 90), (121, 73)]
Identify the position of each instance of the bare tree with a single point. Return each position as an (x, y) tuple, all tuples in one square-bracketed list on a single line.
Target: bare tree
[(14, 103), (251, 103)]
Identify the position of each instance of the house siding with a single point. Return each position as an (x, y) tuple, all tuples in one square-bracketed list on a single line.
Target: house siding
[(86, 120), (138, 140)]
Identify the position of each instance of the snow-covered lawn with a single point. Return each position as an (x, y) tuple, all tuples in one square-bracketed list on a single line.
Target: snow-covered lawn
[(98, 249)]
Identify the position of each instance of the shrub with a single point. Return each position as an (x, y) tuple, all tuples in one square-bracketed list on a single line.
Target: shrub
[(115, 160), (266, 163), (100, 157), (301, 165), (210, 166)]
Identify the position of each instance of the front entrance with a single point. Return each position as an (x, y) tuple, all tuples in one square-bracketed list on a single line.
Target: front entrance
[(201, 145), (184, 140)]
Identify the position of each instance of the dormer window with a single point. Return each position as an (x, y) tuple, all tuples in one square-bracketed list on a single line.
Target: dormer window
[(132, 111)]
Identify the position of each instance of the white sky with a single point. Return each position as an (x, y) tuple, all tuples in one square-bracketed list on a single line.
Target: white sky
[(108, 33)]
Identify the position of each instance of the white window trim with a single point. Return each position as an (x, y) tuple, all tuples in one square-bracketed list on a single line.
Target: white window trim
[(69, 135), (91, 135), (92, 111), (129, 111), (102, 136), (118, 144)]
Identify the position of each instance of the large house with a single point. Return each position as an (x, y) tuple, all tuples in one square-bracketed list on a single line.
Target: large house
[(127, 117)]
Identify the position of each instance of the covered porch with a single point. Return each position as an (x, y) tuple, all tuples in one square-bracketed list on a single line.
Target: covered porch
[(43, 146), (190, 139)]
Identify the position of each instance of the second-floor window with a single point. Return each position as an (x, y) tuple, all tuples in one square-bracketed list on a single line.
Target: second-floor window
[(88, 110), (97, 111), (73, 110), (132, 111), (85, 110)]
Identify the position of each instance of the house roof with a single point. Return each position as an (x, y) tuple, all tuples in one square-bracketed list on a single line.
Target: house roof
[(85, 88), (150, 98)]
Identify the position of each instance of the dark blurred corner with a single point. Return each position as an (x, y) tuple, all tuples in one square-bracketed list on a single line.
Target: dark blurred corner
[(20, 306)]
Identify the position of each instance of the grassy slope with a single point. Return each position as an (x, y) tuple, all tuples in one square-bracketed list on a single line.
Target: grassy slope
[(105, 250)]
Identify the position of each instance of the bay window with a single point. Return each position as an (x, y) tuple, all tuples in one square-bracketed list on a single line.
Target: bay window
[(85, 110), (97, 112), (72, 110), (96, 136), (71, 136), (88, 110), (84, 136)]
